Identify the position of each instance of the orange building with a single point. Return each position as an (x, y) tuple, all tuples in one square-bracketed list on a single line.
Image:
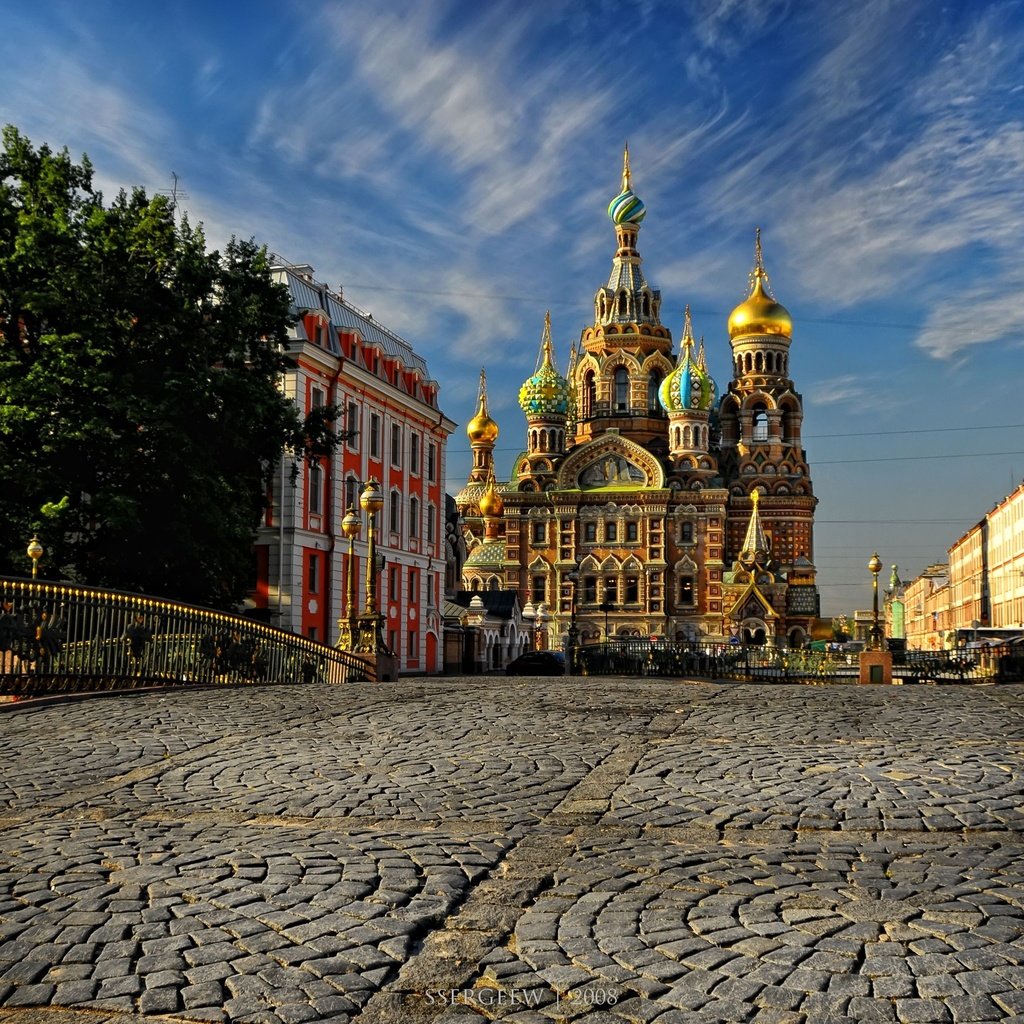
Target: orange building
[(395, 433), (641, 506)]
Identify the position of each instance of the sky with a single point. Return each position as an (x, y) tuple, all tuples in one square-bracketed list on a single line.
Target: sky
[(449, 165)]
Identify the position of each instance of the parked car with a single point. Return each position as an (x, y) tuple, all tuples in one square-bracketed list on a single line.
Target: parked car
[(537, 663)]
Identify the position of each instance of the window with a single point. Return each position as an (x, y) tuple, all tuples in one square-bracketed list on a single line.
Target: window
[(686, 533), (352, 425), (316, 398), (395, 512), (414, 644), (414, 517), (621, 389), (313, 574), (316, 489), (590, 532), (431, 462), (632, 590), (538, 588), (653, 385), (413, 586), (351, 493), (393, 582), (686, 590), (590, 590), (589, 396), (374, 436), (611, 532), (632, 532), (396, 444), (611, 591), (760, 423), (414, 453), (538, 532)]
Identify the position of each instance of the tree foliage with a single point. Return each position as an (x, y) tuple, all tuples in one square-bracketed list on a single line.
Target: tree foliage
[(140, 414)]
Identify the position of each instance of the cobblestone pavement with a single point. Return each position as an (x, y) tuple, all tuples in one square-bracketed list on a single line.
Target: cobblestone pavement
[(529, 851)]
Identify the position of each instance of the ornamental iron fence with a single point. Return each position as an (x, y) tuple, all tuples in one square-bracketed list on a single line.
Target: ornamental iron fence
[(694, 659), (65, 638)]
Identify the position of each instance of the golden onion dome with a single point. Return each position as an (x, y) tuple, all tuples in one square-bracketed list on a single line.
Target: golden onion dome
[(490, 501), (481, 429), (759, 313)]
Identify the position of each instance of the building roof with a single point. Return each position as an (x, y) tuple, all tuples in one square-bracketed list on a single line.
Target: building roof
[(307, 294)]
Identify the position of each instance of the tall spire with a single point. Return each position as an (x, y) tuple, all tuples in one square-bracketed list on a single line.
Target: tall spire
[(687, 339), (759, 273), (481, 393), (545, 357), (626, 185), (755, 544), (702, 363)]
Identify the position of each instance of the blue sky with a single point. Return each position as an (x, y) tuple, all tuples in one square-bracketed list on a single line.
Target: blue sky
[(449, 165)]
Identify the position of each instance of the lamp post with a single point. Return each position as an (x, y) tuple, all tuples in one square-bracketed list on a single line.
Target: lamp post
[(35, 552), (572, 635), (347, 632), (875, 567), (606, 607), (371, 501)]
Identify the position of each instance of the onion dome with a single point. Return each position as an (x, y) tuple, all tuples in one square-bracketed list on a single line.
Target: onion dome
[(481, 429), (547, 391), (689, 385), (627, 206), (760, 313), (491, 503)]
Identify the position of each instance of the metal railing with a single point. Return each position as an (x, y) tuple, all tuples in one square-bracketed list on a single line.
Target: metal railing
[(695, 659), (64, 638)]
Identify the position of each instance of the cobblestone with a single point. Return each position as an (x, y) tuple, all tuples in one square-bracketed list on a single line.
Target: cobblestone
[(454, 850)]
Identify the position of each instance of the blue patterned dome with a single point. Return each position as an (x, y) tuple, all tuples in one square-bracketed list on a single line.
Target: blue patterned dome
[(689, 385), (627, 207), (547, 391)]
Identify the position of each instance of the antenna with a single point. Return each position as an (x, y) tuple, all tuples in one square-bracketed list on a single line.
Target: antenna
[(175, 192)]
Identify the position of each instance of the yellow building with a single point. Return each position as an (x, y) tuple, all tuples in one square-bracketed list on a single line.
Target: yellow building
[(641, 505)]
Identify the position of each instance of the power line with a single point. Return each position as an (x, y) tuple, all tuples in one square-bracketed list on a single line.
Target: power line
[(913, 458), (564, 302)]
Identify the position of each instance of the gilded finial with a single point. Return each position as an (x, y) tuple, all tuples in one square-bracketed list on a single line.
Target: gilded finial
[(625, 169), (546, 345), (755, 497), (759, 274), (482, 393), (687, 327), (701, 360)]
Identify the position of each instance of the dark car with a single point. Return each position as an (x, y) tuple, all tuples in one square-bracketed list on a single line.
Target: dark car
[(537, 663)]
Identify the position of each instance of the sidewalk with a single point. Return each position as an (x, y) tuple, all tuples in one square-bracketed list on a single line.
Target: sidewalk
[(519, 850)]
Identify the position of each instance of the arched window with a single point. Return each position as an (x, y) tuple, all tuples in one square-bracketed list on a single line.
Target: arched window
[(589, 395), (351, 493), (621, 389), (760, 423), (653, 384)]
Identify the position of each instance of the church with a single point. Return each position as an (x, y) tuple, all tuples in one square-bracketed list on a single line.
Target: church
[(647, 503)]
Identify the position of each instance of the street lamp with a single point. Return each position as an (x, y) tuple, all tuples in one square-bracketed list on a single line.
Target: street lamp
[(35, 552), (606, 607), (875, 567), (371, 501), (350, 526), (572, 636)]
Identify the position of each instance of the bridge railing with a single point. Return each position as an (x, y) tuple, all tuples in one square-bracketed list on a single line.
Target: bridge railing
[(708, 660), (59, 637)]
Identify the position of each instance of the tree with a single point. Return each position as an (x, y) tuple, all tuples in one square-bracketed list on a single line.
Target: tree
[(140, 415)]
